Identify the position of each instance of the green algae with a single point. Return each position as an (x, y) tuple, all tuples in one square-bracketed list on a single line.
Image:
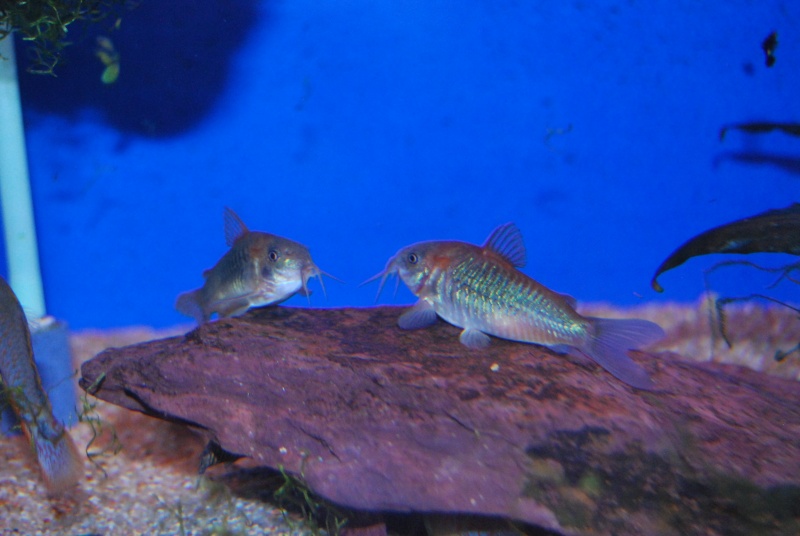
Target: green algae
[(591, 484), (591, 490)]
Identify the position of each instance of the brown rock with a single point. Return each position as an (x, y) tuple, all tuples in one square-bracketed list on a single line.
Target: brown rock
[(374, 418)]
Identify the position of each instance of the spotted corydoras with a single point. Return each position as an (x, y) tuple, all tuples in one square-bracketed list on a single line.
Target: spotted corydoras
[(259, 269), (480, 289)]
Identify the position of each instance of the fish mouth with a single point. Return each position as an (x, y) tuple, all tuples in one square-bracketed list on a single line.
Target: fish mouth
[(391, 269)]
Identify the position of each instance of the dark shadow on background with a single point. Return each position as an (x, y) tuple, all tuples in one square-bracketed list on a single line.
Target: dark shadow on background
[(174, 62), (788, 163)]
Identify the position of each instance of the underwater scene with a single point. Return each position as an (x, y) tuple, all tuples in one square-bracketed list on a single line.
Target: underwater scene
[(420, 267)]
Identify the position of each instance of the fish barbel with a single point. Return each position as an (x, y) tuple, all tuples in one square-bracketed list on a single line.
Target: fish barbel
[(58, 457), (480, 289), (259, 269)]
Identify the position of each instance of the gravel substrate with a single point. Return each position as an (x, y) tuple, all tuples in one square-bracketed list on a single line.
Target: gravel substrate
[(143, 478), (143, 481)]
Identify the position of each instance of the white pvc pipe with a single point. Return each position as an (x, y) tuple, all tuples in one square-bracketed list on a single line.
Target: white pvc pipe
[(24, 274)]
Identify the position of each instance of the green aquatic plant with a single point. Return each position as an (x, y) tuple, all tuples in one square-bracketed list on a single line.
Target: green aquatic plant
[(45, 24), (294, 494), (228, 519), (109, 57), (7, 394), (90, 416), (173, 511)]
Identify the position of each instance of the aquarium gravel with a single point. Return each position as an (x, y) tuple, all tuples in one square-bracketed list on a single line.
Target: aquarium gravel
[(756, 332), (144, 481)]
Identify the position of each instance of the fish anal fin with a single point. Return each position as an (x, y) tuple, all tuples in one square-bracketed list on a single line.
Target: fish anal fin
[(474, 339), (420, 316), (234, 227), (506, 241)]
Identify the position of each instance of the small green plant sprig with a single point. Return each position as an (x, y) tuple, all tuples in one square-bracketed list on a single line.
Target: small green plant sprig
[(320, 516), (45, 24), (89, 415)]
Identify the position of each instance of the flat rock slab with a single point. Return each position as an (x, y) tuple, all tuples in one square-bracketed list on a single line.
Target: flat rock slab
[(374, 418)]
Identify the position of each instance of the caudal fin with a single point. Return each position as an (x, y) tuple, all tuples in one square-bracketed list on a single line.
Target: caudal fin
[(60, 461), (611, 342), (188, 304)]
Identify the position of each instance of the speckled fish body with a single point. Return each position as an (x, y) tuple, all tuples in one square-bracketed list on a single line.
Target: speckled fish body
[(480, 289), (58, 458), (259, 269)]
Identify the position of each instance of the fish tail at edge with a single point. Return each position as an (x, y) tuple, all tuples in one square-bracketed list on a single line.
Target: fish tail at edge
[(59, 460), (610, 344), (188, 304)]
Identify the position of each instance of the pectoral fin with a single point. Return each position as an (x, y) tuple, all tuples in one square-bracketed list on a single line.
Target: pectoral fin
[(474, 339), (232, 307), (421, 315)]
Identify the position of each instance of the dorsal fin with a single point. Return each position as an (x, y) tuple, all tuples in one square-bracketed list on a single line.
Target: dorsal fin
[(234, 227), (507, 242), (571, 301)]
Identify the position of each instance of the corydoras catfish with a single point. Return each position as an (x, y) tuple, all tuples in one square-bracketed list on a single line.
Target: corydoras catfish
[(59, 460), (479, 289), (259, 269)]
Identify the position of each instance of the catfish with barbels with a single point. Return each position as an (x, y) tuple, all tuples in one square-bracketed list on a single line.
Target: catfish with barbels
[(259, 269), (59, 459), (480, 289)]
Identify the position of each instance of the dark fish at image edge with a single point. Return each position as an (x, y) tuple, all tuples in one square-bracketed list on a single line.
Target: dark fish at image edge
[(761, 127), (480, 289), (787, 163), (59, 459), (773, 231)]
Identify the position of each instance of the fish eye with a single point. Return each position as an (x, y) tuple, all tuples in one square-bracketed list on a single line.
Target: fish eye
[(273, 255), (412, 258)]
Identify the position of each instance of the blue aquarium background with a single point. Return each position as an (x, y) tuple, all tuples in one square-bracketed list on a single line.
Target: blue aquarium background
[(357, 127)]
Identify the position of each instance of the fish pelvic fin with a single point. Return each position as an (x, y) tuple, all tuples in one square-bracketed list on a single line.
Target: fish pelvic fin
[(420, 316), (610, 344), (59, 460), (474, 339), (188, 304), (234, 227)]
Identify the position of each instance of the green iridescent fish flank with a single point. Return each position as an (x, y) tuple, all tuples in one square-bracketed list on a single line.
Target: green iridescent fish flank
[(488, 290)]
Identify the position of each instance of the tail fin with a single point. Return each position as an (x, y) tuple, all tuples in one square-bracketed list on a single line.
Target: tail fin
[(611, 342), (59, 460), (188, 304)]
